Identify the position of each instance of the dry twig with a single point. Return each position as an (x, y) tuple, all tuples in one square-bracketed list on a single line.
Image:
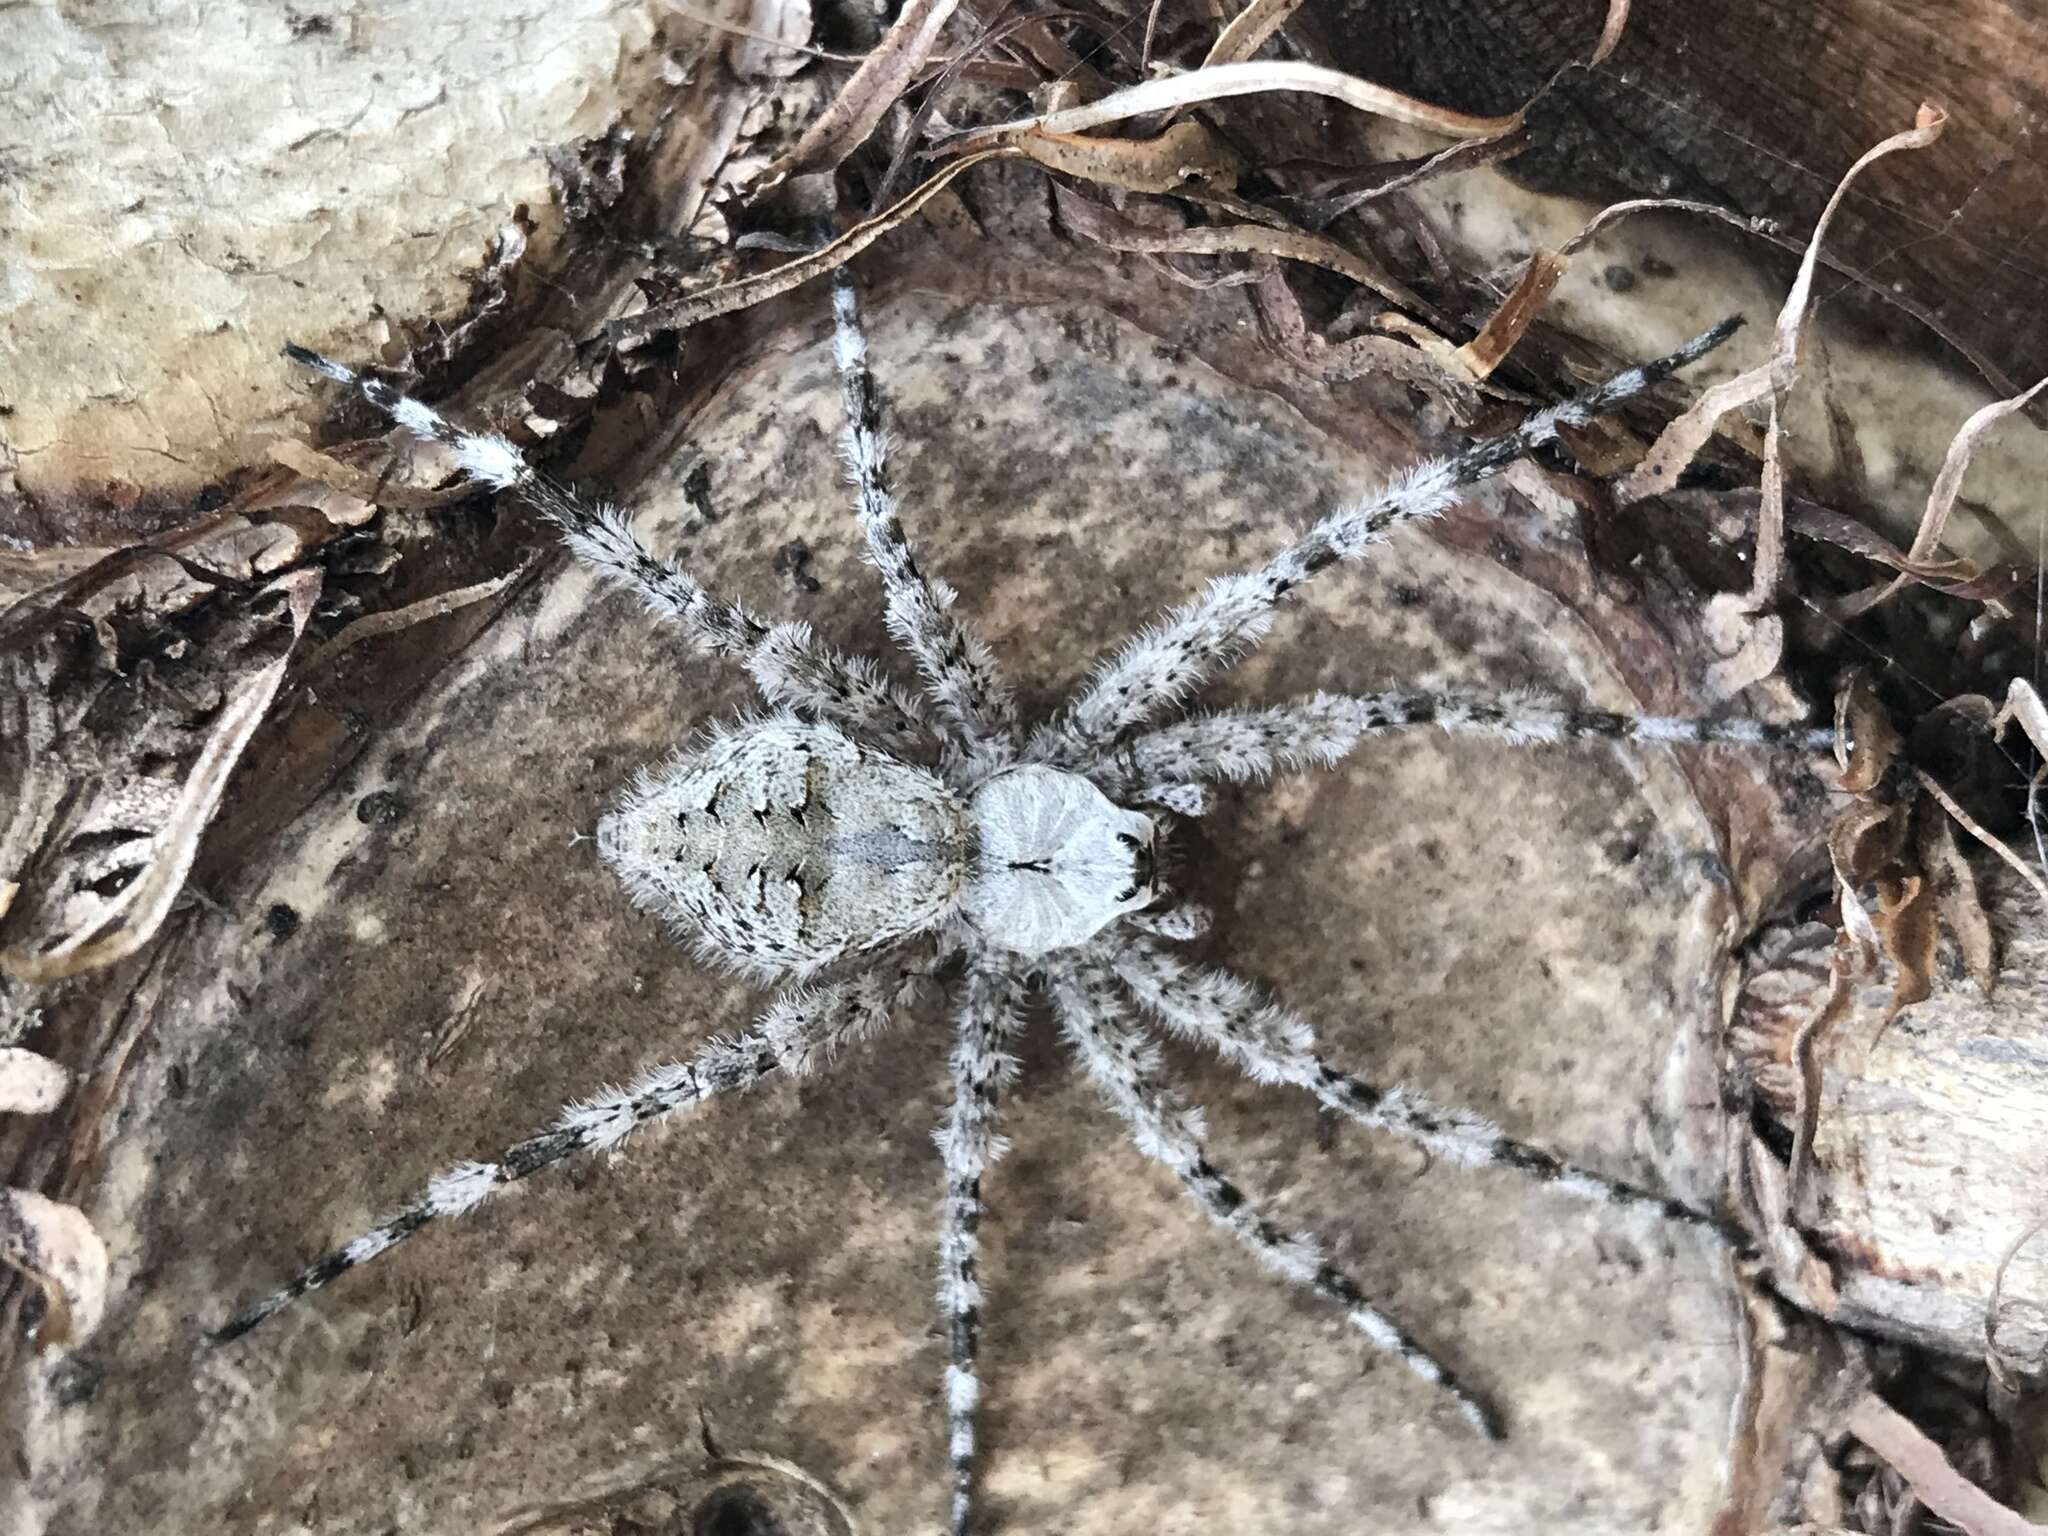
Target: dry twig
[(1934, 1480)]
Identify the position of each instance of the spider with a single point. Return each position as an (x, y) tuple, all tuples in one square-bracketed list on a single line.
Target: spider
[(855, 828)]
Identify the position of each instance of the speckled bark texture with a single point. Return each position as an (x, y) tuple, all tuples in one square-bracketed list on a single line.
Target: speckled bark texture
[(187, 185), (1929, 1149), (431, 959)]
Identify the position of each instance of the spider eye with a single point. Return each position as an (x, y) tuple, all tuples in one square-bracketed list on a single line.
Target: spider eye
[(1127, 840)]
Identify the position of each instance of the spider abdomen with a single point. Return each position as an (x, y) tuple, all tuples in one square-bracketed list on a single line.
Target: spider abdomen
[(785, 844)]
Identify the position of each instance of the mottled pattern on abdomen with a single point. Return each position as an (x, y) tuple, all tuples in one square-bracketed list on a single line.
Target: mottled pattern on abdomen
[(783, 845)]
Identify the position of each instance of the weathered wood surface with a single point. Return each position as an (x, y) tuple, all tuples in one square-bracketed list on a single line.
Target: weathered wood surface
[(1547, 938), (1761, 108), (1932, 1140)]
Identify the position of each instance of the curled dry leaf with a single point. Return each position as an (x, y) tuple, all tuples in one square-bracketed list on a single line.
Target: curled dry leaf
[(1750, 644), (1927, 127), (1807, 1047), (1248, 239), (1906, 847), (972, 61), (1219, 82), (1751, 638), (1905, 922), (1335, 197), (1768, 565), (1680, 442), (1957, 899), (1953, 578), (1863, 842), (1955, 463), (883, 76), (1866, 741), (104, 854), (1485, 352), (1769, 559), (1229, 71), (1612, 27), (1182, 155), (55, 1247), (1901, 848), (1919, 563), (1614, 213), (1357, 356), (1545, 268), (1264, 240), (1186, 152), (2024, 705)]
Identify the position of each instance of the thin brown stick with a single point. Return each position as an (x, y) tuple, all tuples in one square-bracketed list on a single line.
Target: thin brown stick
[(1936, 1483), (1968, 824), (1613, 213), (395, 619), (1151, 28), (1247, 31), (875, 87), (1806, 1058), (678, 314)]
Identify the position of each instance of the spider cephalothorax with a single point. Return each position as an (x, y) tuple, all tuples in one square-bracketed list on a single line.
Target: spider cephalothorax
[(822, 847)]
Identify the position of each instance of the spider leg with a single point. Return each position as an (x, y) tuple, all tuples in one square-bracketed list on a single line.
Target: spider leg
[(797, 1033), (1272, 1044), (1161, 664), (1184, 921), (1122, 1061), (1181, 798), (958, 670), (1241, 744), (982, 1065), (786, 661)]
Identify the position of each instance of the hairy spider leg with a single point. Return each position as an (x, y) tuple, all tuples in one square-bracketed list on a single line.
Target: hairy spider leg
[(797, 1034), (1316, 731), (960, 674), (1123, 1063), (1271, 1044), (1181, 921), (982, 1066), (1164, 662), (1096, 991), (787, 661)]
